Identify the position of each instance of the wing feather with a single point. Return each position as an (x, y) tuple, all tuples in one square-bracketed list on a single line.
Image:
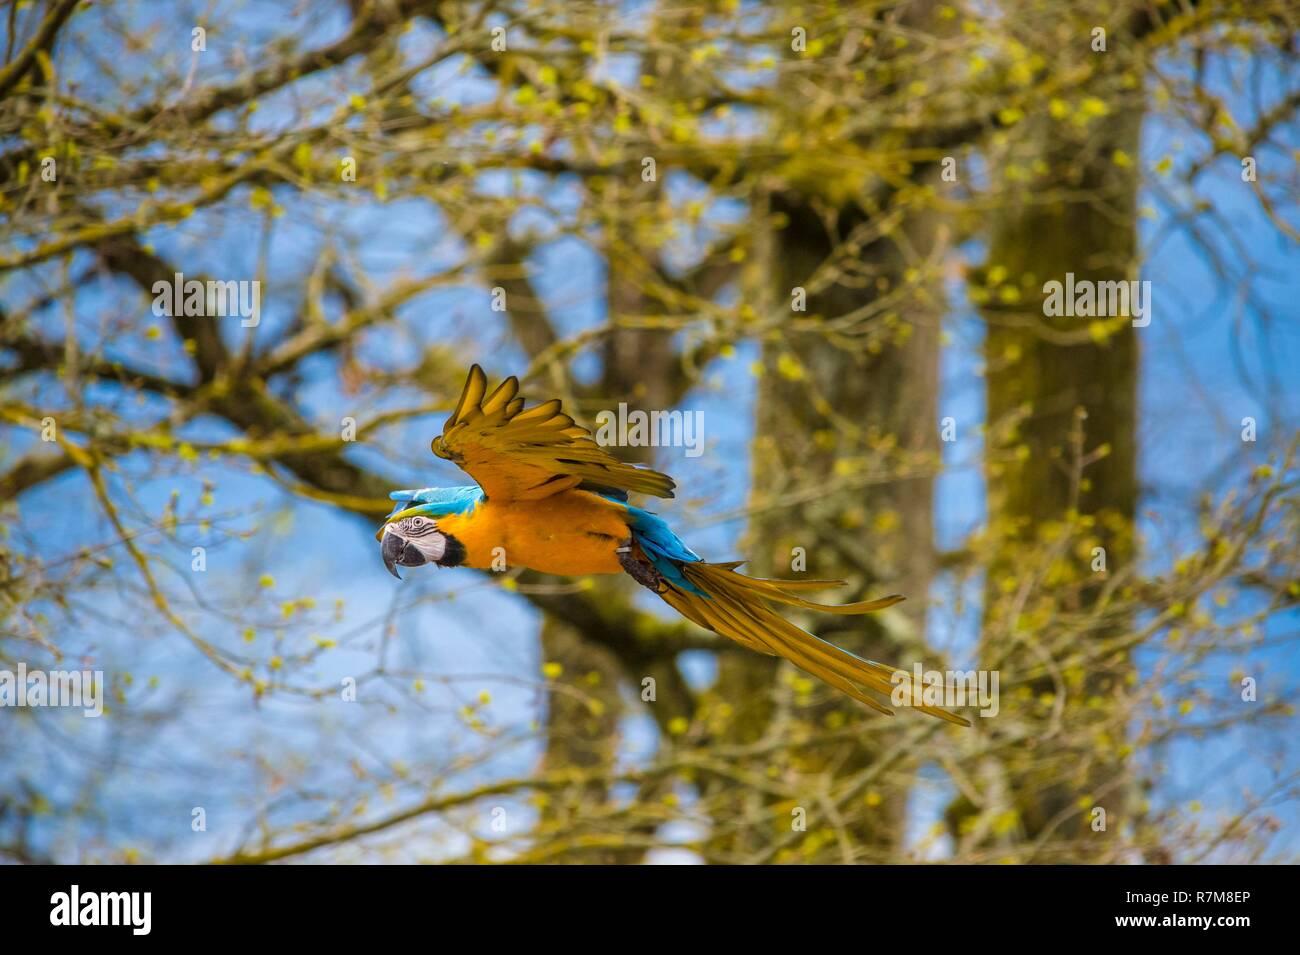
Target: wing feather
[(500, 399), (471, 395), (526, 454)]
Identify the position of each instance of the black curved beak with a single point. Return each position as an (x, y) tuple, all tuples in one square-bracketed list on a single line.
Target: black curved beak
[(400, 553), (393, 549)]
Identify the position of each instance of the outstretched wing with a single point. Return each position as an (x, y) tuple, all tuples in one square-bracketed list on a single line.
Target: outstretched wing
[(521, 454)]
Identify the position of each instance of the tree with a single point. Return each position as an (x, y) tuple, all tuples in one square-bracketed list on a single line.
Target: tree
[(624, 206)]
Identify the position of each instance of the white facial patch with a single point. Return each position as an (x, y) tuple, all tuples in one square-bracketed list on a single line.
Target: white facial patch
[(423, 533)]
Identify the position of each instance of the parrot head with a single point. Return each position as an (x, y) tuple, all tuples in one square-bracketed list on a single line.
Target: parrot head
[(411, 536), (415, 540)]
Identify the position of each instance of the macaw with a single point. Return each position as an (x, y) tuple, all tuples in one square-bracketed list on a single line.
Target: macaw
[(550, 499)]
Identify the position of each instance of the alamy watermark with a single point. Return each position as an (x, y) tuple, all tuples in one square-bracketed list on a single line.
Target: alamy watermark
[(1089, 299), (946, 688), (83, 689), (651, 429), (211, 299), (75, 907)]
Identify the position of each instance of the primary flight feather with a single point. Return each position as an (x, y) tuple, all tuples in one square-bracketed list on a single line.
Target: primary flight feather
[(549, 498)]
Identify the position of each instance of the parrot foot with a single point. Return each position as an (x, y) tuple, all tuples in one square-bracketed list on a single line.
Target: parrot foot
[(639, 569)]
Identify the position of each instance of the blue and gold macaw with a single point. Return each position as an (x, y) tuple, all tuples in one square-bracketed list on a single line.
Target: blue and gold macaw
[(550, 499)]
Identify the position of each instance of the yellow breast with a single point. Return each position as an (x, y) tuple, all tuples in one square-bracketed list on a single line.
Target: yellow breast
[(571, 533)]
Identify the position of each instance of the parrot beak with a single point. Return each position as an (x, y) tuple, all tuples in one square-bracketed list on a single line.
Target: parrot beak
[(398, 552), (393, 549)]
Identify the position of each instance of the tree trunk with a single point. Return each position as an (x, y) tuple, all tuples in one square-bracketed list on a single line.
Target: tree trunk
[(1079, 216), (875, 533)]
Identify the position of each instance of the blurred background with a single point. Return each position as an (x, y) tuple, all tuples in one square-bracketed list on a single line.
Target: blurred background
[(826, 227)]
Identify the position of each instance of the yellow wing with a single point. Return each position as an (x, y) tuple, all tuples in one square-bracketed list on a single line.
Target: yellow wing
[(526, 455)]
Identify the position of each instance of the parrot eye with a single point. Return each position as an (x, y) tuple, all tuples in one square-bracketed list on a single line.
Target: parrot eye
[(417, 525)]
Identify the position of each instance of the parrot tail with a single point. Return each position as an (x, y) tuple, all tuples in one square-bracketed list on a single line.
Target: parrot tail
[(719, 598)]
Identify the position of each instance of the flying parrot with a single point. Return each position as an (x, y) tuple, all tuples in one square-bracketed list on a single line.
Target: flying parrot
[(550, 499)]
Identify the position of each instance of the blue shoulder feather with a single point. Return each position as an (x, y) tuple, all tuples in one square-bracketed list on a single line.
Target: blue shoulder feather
[(438, 501), (664, 548)]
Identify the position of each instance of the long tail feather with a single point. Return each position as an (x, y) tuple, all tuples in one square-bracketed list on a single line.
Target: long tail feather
[(780, 590), (736, 606)]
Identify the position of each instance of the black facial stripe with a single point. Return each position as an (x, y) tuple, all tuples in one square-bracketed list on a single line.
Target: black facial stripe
[(454, 554)]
